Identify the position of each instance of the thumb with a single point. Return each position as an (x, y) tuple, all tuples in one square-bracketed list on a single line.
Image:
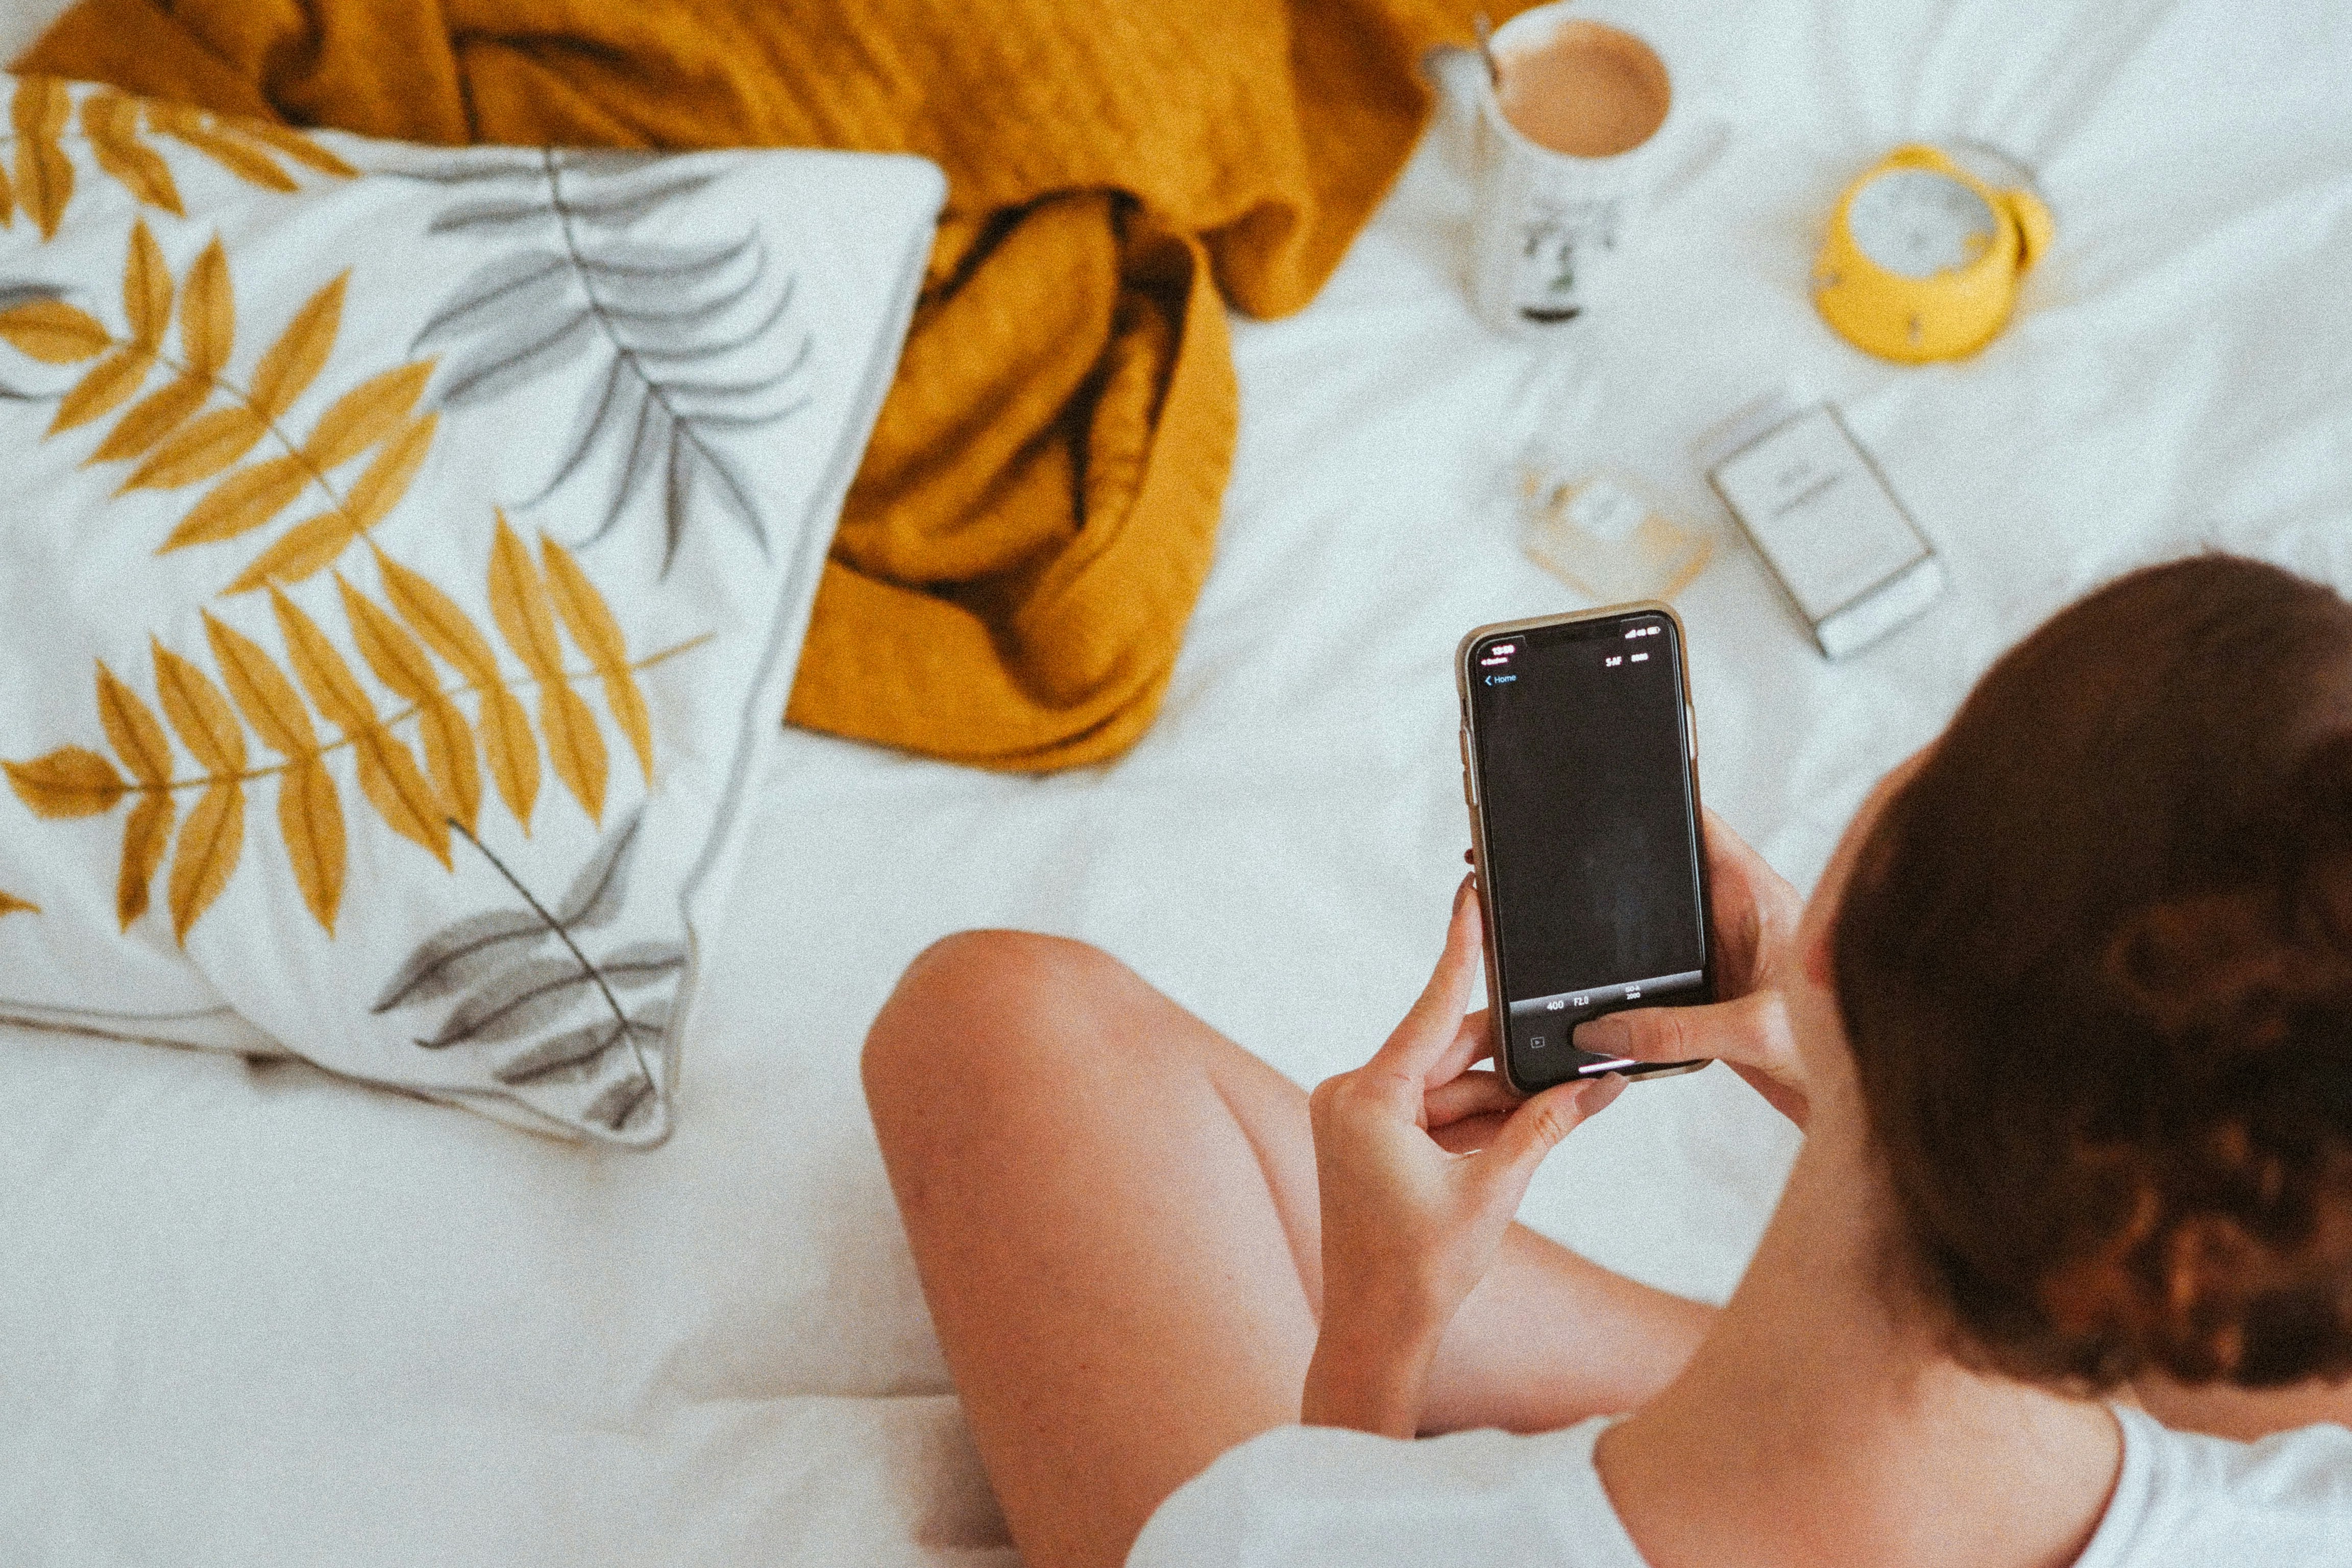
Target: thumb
[(1535, 1129), (1744, 1031)]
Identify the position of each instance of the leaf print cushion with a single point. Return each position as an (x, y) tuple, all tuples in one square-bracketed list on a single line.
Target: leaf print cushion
[(407, 553)]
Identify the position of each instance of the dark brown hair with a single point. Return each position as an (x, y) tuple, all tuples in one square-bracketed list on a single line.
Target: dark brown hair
[(2095, 963)]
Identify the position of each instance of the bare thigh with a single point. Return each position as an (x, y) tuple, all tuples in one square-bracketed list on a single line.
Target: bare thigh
[(1113, 1212)]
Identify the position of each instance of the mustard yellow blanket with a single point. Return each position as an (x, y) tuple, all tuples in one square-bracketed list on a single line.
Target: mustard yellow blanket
[(1033, 519)]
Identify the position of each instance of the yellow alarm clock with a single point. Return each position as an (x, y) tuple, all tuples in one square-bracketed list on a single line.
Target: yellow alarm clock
[(1923, 257)]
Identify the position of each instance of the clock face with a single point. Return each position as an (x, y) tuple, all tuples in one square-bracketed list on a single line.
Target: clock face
[(1915, 223)]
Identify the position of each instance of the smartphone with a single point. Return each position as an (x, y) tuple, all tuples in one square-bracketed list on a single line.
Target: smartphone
[(1579, 763)]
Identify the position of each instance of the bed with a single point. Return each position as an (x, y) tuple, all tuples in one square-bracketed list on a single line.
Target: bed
[(256, 1315)]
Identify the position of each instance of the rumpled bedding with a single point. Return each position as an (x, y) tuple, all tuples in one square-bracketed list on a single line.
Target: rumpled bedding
[(1020, 553), (254, 1316)]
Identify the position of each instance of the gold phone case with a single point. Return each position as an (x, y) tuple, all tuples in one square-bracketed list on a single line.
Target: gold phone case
[(1496, 1014)]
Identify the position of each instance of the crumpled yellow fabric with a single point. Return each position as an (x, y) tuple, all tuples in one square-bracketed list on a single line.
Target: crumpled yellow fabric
[(1037, 513)]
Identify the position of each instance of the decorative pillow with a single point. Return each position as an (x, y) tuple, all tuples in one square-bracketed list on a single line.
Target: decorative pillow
[(406, 556)]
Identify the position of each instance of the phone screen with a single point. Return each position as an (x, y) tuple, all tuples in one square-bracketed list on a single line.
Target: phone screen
[(1591, 866)]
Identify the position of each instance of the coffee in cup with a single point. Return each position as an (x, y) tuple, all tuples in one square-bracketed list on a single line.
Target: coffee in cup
[(1577, 127)]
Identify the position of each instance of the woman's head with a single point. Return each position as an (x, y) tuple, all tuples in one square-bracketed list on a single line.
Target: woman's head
[(2094, 957)]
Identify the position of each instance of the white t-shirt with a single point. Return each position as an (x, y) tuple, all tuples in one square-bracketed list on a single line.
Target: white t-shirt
[(1303, 1497)]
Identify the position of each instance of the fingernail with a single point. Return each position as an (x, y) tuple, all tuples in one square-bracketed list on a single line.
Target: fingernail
[(1606, 1089), (1607, 1036), (1462, 891)]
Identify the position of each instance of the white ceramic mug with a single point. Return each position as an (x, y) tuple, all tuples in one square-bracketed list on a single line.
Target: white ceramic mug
[(1577, 127)]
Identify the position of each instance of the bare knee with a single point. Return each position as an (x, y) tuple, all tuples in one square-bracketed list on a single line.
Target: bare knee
[(983, 1005)]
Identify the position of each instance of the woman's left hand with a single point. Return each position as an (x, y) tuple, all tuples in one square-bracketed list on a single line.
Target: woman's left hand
[(1421, 1163)]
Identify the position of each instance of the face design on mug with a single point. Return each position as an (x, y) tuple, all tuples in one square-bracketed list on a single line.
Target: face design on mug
[(1557, 236)]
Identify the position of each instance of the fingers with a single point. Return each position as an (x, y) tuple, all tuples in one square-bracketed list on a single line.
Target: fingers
[(1472, 1043), (1750, 1030), (1470, 1134), (1755, 911), (1726, 851), (1535, 1129), (1435, 1021), (1646, 1033), (1752, 1033), (1469, 1094)]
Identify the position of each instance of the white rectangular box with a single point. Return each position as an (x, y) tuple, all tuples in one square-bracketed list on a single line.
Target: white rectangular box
[(1823, 516)]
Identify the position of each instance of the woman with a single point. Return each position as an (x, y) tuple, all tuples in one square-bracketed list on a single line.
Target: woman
[(2068, 1025)]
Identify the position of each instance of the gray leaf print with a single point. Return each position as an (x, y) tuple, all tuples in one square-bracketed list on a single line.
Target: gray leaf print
[(523, 283), (608, 207), (460, 954), (658, 312), (520, 351), (616, 1105), (11, 296), (574, 1055), (539, 992), (14, 294), (575, 1049), (563, 1009), (640, 964), (530, 995), (596, 893)]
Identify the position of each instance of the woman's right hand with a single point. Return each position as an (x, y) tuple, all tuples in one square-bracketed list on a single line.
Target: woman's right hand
[(1755, 915)]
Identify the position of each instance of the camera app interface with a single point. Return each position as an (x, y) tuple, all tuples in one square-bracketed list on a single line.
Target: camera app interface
[(1592, 849)]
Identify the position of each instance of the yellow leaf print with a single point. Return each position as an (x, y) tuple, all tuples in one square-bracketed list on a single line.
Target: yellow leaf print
[(146, 289), (217, 141), (207, 328), (152, 418), (207, 313), (589, 621), (387, 478), (12, 905), (240, 503), (366, 414), (138, 738), (147, 306), (311, 547), (99, 393), (311, 820), (201, 449), (520, 606), (55, 332), (45, 175), (449, 758), (220, 438), (400, 662), (295, 145), (71, 781), (267, 697), (388, 774), (145, 837), (508, 744), (309, 815), (307, 549), (211, 842), (202, 716), (132, 731), (295, 360), (176, 443), (111, 121)]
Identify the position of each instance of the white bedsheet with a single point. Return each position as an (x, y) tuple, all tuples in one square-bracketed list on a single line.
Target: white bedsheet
[(255, 1316)]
